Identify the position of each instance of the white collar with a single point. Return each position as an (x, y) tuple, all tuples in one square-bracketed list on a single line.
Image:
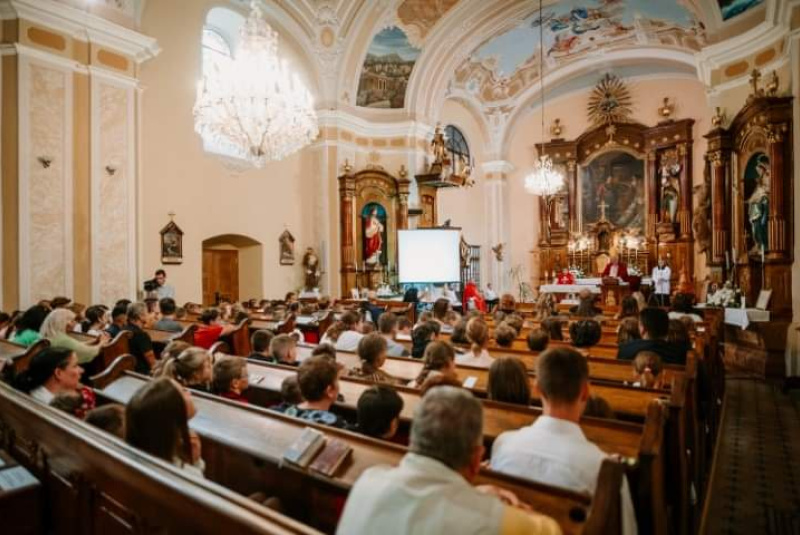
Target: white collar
[(558, 426)]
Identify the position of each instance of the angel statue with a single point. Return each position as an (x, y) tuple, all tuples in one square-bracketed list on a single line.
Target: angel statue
[(670, 191), (311, 269), (438, 148), (758, 210)]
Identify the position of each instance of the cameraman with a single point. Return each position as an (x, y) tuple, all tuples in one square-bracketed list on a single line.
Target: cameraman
[(158, 286)]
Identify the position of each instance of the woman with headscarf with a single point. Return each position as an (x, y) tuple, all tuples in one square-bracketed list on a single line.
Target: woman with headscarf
[(56, 328), (471, 293)]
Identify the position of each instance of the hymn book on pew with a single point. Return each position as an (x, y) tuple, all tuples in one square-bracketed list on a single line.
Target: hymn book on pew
[(332, 457), (303, 450)]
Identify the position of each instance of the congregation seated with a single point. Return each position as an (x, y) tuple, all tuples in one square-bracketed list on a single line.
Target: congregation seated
[(683, 307), (259, 343), (387, 325), (140, 344), (508, 304), (28, 325), (211, 329), (585, 307), (119, 319), (459, 334), (516, 322), (290, 394), (372, 354), (404, 326), (430, 490), (478, 336), (230, 378), (439, 359), (597, 407), (157, 422), (318, 379), (167, 307), (504, 335), (51, 372), (647, 370), (654, 328), (283, 350), (379, 410), (553, 450), (585, 333), (351, 335), (678, 332), (628, 330), (421, 336), (192, 368), (538, 340), (110, 418), (508, 381), (441, 308), (367, 327), (629, 308), (74, 402), (332, 333), (553, 327), (173, 349), (56, 328), (95, 320)]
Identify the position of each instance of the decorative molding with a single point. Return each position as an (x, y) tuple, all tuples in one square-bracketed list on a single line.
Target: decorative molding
[(365, 128), (81, 25), (498, 166)]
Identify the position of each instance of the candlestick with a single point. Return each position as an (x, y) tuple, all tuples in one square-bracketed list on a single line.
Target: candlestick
[(727, 261)]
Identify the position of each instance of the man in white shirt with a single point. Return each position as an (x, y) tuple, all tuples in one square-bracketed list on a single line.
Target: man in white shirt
[(661, 276), (163, 289), (554, 450), (349, 339), (430, 490)]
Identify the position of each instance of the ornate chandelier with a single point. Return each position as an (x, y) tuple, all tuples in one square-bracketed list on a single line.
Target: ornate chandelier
[(544, 180), (253, 104)]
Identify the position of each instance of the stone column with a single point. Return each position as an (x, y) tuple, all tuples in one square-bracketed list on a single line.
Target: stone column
[(347, 193), (497, 218)]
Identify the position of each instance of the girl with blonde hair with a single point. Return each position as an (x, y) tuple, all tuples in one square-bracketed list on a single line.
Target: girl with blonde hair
[(478, 336), (191, 368)]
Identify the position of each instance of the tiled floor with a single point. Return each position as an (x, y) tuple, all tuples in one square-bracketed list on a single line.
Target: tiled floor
[(755, 488)]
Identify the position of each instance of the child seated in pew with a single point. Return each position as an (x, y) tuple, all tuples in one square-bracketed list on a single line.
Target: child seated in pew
[(422, 335), (597, 407), (349, 339), (332, 333), (553, 326), (585, 333), (318, 379), (504, 335), (95, 320), (110, 418), (192, 368), (230, 378), (379, 410), (508, 382), (439, 359), (211, 329), (74, 402), (166, 306), (478, 336), (459, 335), (538, 340), (372, 354), (404, 326), (387, 325), (553, 450), (27, 325), (647, 370), (628, 330), (290, 394), (283, 350), (157, 422), (678, 332), (516, 322), (367, 327), (259, 342)]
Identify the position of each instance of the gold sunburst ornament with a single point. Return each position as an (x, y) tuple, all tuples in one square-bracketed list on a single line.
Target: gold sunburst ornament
[(610, 101)]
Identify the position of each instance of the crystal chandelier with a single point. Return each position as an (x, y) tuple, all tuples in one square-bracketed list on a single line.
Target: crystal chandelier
[(253, 104), (544, 181)]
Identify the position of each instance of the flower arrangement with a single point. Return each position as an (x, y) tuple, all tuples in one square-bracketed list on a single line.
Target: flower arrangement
[(726, 297), (577, 272), (634, 271)]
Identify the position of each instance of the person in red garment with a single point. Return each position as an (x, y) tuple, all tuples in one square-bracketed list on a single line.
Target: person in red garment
[(566, 277), (471, 292), (211, 328), (616, 269), (373, 231)]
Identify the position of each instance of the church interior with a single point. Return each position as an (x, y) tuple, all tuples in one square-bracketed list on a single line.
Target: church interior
[(408, 266)]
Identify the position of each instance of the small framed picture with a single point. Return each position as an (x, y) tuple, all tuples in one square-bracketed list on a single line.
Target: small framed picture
[(763, 299), (171, 244)]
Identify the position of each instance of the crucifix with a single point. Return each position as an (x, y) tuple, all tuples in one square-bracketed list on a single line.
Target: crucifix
[(603, 207), (755, 76)]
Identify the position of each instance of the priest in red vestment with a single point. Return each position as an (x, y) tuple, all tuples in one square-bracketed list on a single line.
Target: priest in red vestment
[(471, 292), (566, 277), (616, 269)]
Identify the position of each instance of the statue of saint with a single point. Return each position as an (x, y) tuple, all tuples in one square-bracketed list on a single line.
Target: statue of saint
[(670, 191), (758, 210), (373, 231), (438, 149), (311, 269), (701, 221)]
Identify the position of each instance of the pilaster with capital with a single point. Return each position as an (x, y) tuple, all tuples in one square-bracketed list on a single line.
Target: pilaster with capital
[(776, 225)]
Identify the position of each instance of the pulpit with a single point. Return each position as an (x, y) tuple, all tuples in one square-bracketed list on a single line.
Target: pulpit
[(613, 291)]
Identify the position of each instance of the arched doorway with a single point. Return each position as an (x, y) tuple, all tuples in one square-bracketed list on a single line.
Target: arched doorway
[(232, 268)]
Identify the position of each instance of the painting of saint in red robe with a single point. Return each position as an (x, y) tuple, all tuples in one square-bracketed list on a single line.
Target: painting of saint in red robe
[(374, 220)]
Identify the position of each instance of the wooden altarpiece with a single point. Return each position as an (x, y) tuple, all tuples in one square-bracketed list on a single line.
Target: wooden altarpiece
[(367, 190), (755, 147), (667, 144)]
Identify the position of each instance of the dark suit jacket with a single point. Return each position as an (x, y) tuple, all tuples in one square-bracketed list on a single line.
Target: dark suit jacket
[(669, 353)]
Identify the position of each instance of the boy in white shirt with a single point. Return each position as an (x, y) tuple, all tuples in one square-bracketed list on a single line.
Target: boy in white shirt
[(554, 450)]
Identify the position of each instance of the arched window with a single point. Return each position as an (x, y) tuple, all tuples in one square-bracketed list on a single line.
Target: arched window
[(456, 145), (216, 49)]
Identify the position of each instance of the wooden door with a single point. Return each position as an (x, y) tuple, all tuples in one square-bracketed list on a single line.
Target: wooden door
[(220, 275)]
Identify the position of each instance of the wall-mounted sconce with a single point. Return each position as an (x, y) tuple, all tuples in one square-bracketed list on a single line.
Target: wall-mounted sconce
[(45, 161)]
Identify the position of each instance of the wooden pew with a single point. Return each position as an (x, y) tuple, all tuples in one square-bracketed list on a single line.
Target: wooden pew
[(161, 338), (243, 446), (238, 340), (108, 352), (95, 483), (19, 355)]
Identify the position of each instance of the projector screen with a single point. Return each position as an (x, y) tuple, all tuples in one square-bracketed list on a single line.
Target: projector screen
[(428, 256)]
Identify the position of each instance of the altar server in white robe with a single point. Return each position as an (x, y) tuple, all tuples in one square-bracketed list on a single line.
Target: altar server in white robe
[(553, 450), (661, 276)]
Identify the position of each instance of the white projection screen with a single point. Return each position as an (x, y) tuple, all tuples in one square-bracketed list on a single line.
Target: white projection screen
[(428, 256)]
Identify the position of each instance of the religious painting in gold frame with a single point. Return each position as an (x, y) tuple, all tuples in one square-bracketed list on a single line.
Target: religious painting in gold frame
[(612, 189)]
